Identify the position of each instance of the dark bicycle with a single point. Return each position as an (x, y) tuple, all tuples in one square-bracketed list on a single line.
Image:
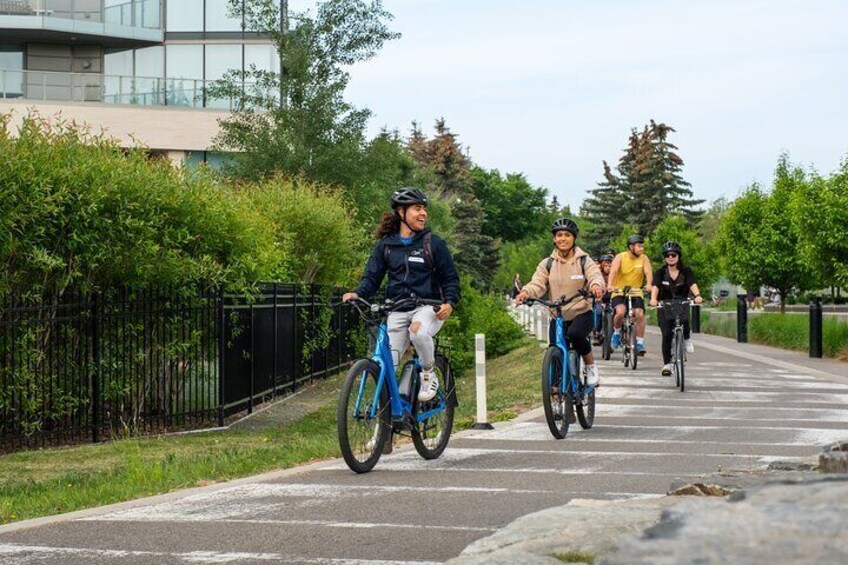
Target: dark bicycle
[(562, 386), (606, 331), (630, 356), (373, 405), (678, 310)]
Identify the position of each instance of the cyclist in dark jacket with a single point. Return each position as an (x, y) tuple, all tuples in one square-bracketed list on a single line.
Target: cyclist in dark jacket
[(418, 265), (673, 280)]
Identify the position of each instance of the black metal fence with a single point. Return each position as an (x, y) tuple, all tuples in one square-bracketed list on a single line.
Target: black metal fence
[(88, 366)]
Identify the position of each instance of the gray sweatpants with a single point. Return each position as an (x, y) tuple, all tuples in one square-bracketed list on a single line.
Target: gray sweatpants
[(400, 334)]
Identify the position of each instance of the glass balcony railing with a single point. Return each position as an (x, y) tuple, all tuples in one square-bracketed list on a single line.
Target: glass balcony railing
[(109, 89), (130, 13)]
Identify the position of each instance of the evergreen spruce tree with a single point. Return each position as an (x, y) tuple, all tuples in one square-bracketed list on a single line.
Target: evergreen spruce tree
[(658, 187), (646, 187), (477, 253)]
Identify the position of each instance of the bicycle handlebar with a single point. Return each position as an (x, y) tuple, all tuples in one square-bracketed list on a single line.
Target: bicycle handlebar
[(390, 306), (676, 302), (562, 301)]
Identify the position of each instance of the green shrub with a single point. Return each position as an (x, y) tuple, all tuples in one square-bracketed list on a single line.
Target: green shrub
[(788, 331), (313, 226), (723, 325), (76, 209), (480, 313)]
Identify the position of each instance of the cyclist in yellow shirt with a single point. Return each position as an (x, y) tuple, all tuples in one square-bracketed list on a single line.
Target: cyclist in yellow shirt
[(630, 268)]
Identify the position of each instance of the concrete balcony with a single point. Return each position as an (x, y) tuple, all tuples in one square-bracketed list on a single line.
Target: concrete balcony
[(47, 86), (110, 23)]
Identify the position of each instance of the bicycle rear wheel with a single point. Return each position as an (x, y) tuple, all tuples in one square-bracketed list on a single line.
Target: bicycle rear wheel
[(606, 347), (634, 355), (680, 361), (555, 400), (432, 436), (361, 436)]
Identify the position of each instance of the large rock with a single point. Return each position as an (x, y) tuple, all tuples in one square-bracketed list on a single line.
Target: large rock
[(788, 522)]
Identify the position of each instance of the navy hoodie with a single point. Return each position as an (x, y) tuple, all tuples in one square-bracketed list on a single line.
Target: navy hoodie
[(409, 274)]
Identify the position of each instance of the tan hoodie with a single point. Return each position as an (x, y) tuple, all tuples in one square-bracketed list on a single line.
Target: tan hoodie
[(566, 279)]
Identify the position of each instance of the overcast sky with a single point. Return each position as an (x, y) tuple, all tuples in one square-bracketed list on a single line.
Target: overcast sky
[(550, 88)]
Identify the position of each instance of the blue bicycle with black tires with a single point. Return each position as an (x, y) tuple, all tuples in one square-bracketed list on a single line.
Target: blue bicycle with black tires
[(563, 389), (373, 405)]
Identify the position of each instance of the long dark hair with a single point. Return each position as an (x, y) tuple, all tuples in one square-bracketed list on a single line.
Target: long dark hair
[(389, 225)]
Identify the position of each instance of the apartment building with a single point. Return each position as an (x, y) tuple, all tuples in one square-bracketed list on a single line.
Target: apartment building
[(138, 69)]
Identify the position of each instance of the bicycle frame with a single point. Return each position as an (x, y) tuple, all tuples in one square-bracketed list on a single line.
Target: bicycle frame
[(399, 405), (562, 344)]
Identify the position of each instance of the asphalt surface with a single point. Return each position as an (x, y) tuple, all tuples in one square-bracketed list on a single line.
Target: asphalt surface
[(737, 413)]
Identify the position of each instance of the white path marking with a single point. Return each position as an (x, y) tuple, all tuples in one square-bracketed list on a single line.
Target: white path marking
[(538, 431), (19, 553)]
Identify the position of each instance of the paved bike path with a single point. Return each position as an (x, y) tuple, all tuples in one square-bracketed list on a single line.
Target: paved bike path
[(737, 413)]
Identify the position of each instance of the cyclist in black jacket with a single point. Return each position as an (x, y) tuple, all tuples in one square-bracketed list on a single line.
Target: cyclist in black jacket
[(673, 280), (419, 265)]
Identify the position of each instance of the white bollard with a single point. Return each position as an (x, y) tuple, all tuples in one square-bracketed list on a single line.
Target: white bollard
[(482, 409), (540, 327)]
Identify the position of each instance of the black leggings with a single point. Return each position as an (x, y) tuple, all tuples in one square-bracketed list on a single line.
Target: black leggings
[(577, 331), (667, 328)]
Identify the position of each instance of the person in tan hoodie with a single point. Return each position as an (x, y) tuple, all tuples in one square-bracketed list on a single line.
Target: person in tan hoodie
[(563, 274)]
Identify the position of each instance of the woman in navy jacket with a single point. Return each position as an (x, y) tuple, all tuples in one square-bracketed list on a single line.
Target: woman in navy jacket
[(418, 265)]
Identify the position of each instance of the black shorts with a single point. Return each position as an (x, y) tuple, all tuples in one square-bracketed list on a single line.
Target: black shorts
[(637, 302)]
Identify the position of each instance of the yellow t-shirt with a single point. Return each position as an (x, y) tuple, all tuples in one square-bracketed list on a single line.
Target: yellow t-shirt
[(631, 272)]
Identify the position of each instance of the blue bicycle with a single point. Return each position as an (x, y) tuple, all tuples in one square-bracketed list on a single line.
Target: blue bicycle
[(562, 387), (373, 405)]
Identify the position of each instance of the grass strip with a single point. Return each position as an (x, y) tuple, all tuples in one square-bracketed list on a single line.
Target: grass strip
[(56, 480)]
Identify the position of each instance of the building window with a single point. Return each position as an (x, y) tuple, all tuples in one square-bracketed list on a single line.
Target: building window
[(184, 15), (263, 57), (184, 73), (218, 18), (11, 71)]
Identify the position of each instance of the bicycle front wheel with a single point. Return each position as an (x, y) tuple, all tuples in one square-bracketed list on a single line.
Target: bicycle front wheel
[(606, 348), (433, 433), (555, 399), (585, 404), (680, 354), (634, 355), (363, 417)]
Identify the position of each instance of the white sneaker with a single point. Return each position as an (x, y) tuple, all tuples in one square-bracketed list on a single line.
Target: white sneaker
[(690, 346), (666, 370), (592, 376), (429, 386)]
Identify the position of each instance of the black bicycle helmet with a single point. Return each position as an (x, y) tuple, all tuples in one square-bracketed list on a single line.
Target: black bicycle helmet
[(566, 224), (608, 257), (609, 251), (635, 238), (407, 196), (672, 247)]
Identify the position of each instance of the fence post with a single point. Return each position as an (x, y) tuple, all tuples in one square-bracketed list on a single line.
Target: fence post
[(294, 350), (275, 378), (741, 319), (816, 327), (222, 346), (696, 318), (482, 409), (95, 370), (252, 360)]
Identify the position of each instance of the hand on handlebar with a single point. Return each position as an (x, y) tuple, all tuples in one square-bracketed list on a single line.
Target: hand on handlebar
[(597, 291), (444, 312), (349, 296), (521, 297)]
